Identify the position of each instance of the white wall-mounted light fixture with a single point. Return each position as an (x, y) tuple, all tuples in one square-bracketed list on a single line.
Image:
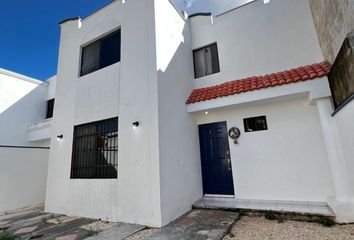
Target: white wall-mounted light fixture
[(266, 1), (136, 125), (206, 112), (60, 137)]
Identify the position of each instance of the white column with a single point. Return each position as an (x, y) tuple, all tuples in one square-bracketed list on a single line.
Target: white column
[(340, 177)]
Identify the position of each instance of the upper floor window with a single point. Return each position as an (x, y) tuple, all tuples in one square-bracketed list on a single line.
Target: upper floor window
[(50, 108), (101, 53), (206, 61)]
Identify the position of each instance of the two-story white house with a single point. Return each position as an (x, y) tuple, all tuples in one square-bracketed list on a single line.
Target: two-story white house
[(150, 102)]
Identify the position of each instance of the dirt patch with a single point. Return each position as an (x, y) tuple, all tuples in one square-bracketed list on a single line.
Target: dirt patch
[(255, 228)]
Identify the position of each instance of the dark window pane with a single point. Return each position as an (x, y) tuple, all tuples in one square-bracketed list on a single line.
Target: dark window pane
[(50, 108), (255, 124), (95, 150), (199, 66), (215, 58), (110, 50), (101, 53), (90, 58), (206, 61)]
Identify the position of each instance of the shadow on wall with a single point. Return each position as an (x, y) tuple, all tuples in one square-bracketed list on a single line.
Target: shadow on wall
[(27, 111), (178, 133)]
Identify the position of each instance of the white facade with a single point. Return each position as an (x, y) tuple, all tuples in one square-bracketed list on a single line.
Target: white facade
[(23, 163), (286, 162), (258, 39), (159, 163), (125, 89)]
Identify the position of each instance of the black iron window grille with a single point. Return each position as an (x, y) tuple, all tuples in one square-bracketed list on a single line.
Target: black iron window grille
[(95, 150)]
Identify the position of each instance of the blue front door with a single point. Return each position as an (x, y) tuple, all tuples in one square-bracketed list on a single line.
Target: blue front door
[(215, 157)]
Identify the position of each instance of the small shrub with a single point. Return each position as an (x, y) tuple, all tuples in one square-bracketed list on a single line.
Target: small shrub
[(7, 236), (270, 215), (91, 232), (327, 222), (280, 218)]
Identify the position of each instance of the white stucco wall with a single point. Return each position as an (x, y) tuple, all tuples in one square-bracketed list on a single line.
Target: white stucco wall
[(258, 39), (23, 171), (22, 103), (23, 177), (180, 171), (128, 90), (14, 86), (344, 122), (286, 162)]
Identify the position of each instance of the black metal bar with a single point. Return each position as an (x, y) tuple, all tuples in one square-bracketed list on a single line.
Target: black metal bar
[(33, 147)]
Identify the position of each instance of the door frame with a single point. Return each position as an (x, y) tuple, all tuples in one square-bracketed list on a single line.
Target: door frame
[(229, 156)]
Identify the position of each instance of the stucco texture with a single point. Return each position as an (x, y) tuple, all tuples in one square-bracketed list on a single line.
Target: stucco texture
[(334, 19)]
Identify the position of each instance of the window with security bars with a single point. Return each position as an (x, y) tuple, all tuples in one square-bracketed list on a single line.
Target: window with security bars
[(95, 150)]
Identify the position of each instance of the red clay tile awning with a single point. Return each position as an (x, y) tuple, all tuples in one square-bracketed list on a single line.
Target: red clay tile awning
[(254, 83)]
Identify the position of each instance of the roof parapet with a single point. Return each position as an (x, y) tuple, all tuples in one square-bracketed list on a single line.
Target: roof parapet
[(200, 14), (69, 19), (20, 76)]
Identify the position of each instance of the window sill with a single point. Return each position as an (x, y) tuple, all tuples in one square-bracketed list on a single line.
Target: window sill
[(343, 104), (40, 125)]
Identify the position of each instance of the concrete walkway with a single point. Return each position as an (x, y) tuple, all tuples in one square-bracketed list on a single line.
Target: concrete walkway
[(36, 224), (118, 232), (197, 225)]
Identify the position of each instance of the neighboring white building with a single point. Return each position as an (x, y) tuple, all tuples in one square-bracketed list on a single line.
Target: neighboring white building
[(23, 152), (146, 98)]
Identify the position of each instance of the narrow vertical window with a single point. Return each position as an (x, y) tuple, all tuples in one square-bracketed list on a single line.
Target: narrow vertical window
[(206, 61), (50, 108)]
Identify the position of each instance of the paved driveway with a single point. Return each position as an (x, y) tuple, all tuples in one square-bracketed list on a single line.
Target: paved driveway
[(36, 224)]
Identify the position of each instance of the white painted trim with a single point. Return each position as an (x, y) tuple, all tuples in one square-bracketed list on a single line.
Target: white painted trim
[(317, 89), (20, 76)]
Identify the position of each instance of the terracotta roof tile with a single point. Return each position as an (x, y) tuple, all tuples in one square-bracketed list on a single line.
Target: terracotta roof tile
[(254, 83)]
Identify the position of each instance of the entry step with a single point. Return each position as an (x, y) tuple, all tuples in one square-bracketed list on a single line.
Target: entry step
[(302, 207)]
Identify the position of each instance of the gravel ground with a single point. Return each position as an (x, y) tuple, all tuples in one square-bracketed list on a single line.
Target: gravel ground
[(255, 228)]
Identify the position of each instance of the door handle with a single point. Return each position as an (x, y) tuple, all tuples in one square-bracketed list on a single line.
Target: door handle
[(229, 163)]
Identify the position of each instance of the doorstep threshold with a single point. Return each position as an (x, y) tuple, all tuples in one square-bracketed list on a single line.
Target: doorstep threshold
[(299, 207)]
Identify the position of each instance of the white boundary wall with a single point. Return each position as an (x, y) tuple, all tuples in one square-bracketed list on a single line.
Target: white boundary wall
[(23, 171)]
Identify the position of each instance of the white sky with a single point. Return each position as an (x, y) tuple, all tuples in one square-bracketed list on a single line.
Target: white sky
[(214, 6)]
